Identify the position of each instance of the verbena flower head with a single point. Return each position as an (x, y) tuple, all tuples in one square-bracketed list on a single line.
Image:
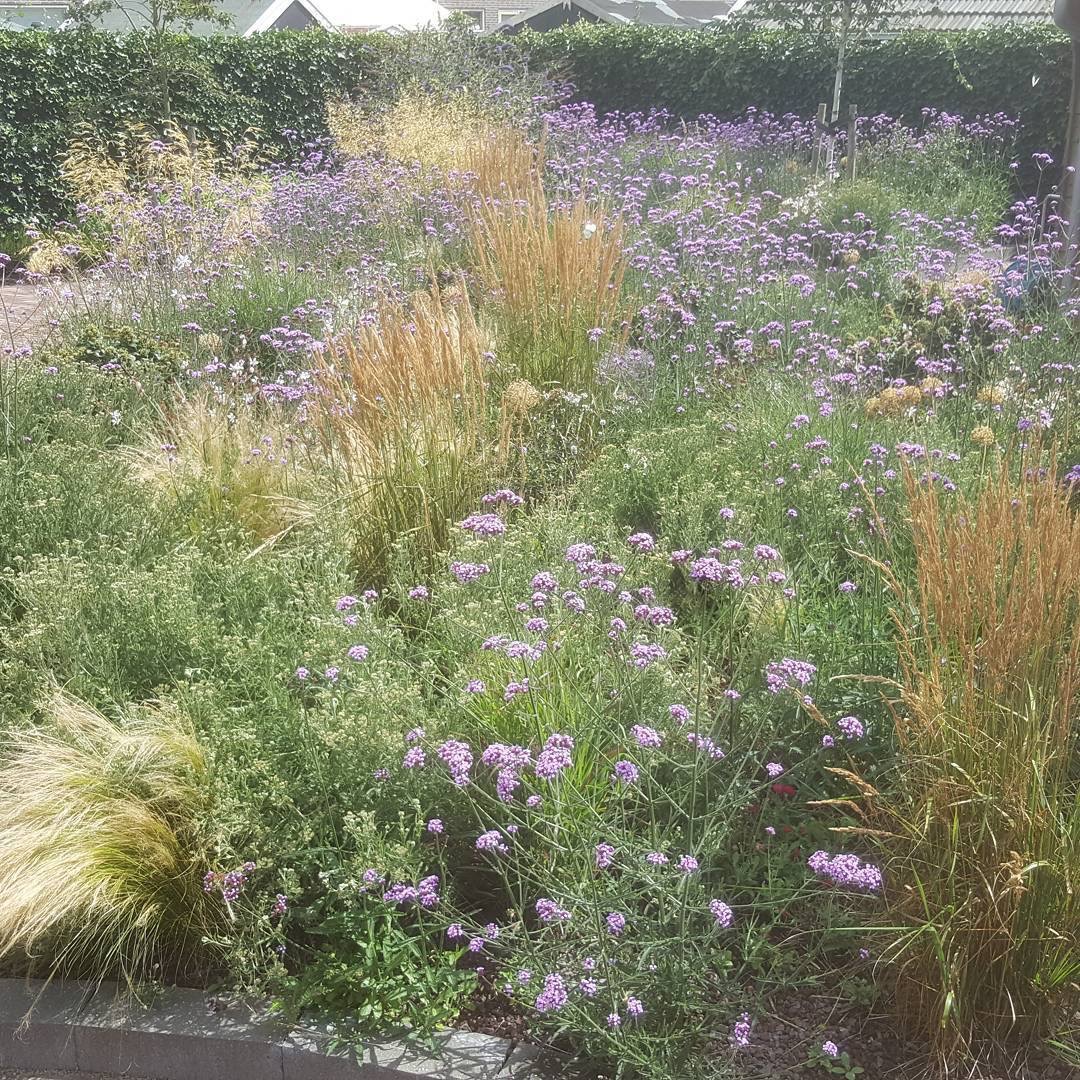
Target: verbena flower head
[(605, 856), (504, 496), (548, 911), (644, 654), (846, 871), (467, 572), (615, 923), (722, 913), (554, 996), (740, 1032), (484, 525), (458, 758), (492, 840), (625, 772), (851, 726), (788, 674), (646, 736)]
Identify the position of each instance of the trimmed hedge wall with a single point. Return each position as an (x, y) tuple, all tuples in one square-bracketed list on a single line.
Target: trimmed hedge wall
[(1023, 71), (278, 84), (274, 84)]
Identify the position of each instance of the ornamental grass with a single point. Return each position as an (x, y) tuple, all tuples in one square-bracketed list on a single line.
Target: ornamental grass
[(557, 277), (100, 853), (402, 416), (983, 815)]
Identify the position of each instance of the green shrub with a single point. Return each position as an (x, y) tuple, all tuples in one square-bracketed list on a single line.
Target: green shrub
[(118, 346)]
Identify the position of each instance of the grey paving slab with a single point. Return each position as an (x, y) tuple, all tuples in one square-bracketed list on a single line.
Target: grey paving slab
[(179, 1035)]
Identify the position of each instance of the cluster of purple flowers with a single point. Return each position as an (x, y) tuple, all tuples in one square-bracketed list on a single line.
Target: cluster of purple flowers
[(555, 758), (484, 525), (504, 497), (846, 871), (788, 674), (425, 892), (722, 913), (549, 911), (230, 884), (467, 572), (458, 758), (851, 727)]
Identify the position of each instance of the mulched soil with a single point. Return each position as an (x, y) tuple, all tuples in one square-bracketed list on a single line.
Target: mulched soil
[(798, 1024)]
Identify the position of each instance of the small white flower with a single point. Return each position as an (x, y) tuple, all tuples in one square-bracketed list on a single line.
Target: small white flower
[(115, 417)]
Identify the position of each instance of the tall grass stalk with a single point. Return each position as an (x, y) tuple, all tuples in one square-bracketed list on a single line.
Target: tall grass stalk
[(558, 277), (984, 819), (403, 418)]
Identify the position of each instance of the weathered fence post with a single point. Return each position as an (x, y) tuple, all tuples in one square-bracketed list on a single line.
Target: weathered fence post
[(852, 139)]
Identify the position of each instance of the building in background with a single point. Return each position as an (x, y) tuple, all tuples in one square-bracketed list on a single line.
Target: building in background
[(934, 15), (396, 16), (488, 14), (548, 14), (245, 17)]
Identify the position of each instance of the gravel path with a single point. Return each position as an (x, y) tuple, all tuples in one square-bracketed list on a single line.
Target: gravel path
[(23, 317)]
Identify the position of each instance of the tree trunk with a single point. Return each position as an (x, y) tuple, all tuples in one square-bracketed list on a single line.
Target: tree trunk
[(1070, 181), (841, 58)]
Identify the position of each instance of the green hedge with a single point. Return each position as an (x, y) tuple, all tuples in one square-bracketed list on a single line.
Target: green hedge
[(1020, 71), (274, 84), (279, 83)]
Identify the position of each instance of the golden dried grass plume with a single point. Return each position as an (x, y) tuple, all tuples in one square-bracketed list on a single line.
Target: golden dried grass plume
[(402, 415), (983, 819)]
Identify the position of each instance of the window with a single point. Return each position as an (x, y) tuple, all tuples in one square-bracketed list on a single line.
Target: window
[(506, 16), (474, 15)]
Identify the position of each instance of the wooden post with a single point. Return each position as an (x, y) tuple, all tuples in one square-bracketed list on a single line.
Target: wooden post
[(819, 135), (852, 139)]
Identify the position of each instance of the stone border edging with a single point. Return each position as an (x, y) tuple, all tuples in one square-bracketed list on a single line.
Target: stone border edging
[(182, 1036)]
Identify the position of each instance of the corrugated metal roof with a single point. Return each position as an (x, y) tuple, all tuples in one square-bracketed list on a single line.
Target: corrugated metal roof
[(979, 14), (954, 14)]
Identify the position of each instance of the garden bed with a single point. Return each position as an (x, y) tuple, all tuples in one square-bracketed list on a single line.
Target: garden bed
[(591, 580)]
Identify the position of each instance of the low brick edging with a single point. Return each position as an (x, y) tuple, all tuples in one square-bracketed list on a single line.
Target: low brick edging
[(184, 1035)]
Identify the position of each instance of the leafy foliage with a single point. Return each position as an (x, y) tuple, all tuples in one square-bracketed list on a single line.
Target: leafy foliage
[(277, 86)]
